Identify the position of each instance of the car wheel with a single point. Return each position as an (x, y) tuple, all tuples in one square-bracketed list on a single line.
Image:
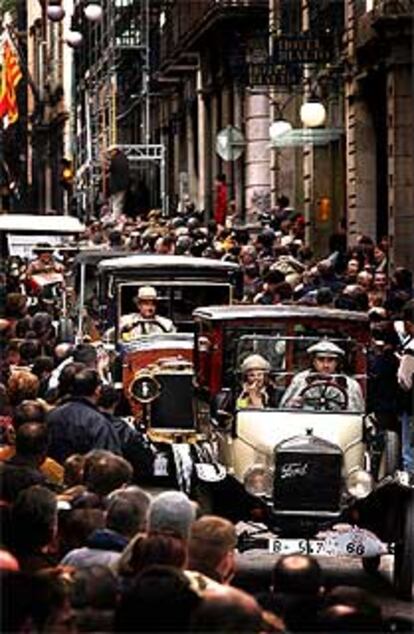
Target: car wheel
[(404, 553), (371, 564)]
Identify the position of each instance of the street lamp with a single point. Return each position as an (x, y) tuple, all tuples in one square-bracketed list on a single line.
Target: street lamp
[(74, 38), (312, 114), (279, 127), (93, 11), (55, 11)]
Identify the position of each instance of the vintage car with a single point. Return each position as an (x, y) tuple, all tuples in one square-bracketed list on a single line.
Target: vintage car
[(182, 284), (19, 233), (307, 464)]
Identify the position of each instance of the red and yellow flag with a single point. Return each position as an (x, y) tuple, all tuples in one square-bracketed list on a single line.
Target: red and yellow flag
[(10, 77)]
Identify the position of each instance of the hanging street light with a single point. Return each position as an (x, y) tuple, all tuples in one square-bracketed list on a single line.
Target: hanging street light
[(313, 114), (93, 11), (55, 11), (74, 38), (279, 127)]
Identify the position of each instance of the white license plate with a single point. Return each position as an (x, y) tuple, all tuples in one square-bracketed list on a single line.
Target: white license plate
[(302, 546)]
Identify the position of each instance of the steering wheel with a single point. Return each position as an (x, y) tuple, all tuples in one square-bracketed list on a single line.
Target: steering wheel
[(324, 395)]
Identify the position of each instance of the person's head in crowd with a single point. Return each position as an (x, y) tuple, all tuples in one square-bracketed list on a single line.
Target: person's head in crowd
[(402, 279), (352, 269), (67, 378), (265, 239), (211, 548), (115, 239), (153, 548), (297, 574), (43, 367), (35, 603), (23, 327), (27, 412), (127, 511), (16, 305), (348, 618), (380, 280), (87, 384), (272, 280), (36, 507), (32, 443), (5, 407), (73, 470), (62, 351), (161, 599), (22, 386), (226, 610), (108, 399), (85, 353), (76, 525), (12, 353), (94, 597), (248, 255), (365, 280), (42, 323), (8, 561), (350, 609), (324, 297), (408, 317), (171, 511), (23, 470), (104, 472), (165, 245)]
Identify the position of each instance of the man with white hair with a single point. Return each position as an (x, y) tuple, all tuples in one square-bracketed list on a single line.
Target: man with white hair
[(145, 321), (321, 387)]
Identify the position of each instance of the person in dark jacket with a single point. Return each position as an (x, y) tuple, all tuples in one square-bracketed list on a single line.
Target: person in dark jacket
[(77, 426)]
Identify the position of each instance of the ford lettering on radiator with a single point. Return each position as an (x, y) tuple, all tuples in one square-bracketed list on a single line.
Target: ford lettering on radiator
[(293, 470)]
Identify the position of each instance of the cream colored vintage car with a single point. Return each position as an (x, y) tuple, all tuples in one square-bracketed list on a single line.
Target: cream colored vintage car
[(285, 387)]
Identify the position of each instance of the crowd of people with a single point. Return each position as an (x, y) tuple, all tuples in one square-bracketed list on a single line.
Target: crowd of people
[(83, 547)]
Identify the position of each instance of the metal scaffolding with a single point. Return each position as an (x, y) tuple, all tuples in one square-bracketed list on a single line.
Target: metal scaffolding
[(112, 94)]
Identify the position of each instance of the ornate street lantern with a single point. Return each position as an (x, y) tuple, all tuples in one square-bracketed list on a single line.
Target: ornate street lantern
[(93, 11), (313, 114), (55, 11), (74, 38), (279, 127)]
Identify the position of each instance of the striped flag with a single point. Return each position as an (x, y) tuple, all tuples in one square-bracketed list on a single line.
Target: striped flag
[(10, 77)]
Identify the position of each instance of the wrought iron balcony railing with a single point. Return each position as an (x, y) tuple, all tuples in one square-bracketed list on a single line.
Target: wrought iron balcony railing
[(185, 17), (393, 8)]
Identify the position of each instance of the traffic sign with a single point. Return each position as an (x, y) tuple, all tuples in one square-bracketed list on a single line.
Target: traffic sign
[(230, 143)]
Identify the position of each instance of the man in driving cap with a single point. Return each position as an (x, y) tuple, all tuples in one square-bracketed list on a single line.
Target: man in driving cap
[(145, 321), (326, 358)]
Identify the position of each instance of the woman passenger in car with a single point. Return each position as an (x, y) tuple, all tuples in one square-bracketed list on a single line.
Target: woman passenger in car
[(255, 390)]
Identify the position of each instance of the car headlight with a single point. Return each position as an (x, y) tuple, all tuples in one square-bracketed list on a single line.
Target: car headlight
[(359, 483), (258, 480)]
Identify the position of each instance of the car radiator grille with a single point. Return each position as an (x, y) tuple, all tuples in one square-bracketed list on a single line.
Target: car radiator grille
[(307, 481)]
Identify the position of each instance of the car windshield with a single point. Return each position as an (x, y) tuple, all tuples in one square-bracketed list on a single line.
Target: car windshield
[(305, 373), (177, 302)]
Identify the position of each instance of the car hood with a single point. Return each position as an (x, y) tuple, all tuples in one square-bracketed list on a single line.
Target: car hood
[(263, 430)]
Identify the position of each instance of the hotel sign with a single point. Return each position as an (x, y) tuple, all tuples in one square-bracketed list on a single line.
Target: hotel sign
[(302, 49)]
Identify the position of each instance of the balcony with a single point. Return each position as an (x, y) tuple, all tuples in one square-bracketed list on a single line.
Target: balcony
[(386, 18), (187, 20), (393, 8)]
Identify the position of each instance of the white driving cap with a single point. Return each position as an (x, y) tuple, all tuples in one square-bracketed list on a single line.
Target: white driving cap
[(326, 349), (147, 292), (255, 362)]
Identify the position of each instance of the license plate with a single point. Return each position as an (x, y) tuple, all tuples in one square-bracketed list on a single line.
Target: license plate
[(302, 546), (354, 542)]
